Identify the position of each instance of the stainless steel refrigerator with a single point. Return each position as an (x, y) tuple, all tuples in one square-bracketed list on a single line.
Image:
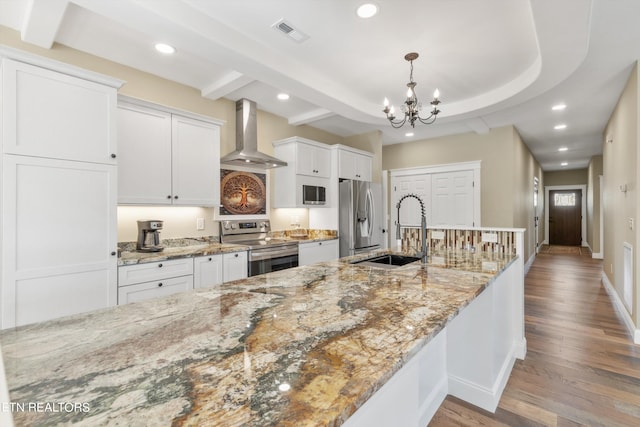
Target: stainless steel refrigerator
[(360, 226)]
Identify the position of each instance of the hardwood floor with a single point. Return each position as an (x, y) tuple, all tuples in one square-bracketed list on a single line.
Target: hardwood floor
[(581, 368)]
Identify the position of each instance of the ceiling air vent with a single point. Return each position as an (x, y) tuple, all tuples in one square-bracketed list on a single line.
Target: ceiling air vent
[(290, 31)]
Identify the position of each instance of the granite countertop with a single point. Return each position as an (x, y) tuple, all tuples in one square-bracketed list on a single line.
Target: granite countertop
[(133, 257), (304, 346), (192, 247)]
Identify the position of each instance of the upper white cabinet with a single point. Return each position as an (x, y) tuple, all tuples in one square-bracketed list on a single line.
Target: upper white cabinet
[(308, 163), (354, 164), (52, 114), (59, 231), (311, 158), (167, 158)]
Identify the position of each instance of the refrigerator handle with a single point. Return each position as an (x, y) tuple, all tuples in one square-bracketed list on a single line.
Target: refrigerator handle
[(370, 213)]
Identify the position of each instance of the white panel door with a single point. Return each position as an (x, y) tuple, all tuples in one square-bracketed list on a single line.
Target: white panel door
[(59, 238), (207, 271), (452, 198), (196, 162), (144, 161), (51, 114), (410, 211), (235, 266)]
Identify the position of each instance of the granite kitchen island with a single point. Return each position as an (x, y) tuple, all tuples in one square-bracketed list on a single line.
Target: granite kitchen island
[(309, 346)]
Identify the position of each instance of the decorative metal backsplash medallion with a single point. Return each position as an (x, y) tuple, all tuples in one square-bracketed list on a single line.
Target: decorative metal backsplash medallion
[(243, 193)]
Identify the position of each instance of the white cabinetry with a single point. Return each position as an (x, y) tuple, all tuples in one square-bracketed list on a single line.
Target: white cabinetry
[(235, 266), (353, 164), (311, 158), (167, 158), (312, 252), (59, 232), (56, 114), (309, 163), (150, 280), (207, 271)]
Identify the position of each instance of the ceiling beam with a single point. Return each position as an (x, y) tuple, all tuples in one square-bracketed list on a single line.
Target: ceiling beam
[(310, 116), (42, 21), (225, 85)]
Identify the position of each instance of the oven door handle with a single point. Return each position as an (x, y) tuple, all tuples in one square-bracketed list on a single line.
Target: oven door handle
[(262, 254)]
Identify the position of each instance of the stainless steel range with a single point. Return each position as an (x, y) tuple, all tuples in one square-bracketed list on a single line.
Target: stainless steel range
[(265, 254)]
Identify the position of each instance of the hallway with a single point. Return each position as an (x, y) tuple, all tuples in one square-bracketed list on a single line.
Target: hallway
[(581, 368)]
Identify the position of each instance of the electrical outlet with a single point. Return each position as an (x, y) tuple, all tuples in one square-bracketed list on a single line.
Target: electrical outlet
[(199, 223), (630, 223)]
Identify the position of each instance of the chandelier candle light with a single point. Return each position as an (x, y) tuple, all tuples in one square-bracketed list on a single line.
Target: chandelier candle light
[(411, 107)]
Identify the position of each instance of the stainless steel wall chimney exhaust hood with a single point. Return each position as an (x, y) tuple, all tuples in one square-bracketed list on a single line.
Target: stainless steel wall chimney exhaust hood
[(246, 153)]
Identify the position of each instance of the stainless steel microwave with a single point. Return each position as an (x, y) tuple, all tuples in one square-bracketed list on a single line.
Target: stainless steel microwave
[(314, 195)]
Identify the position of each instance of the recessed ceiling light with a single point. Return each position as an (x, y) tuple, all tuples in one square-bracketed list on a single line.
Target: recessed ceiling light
[(367, 10), (165, 48), (562, 149), (408, 134), (560, 127), (559, 107), (283, 96), (564, 164)]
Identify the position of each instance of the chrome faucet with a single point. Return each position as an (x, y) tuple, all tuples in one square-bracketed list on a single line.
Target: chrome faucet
[(423, 224)]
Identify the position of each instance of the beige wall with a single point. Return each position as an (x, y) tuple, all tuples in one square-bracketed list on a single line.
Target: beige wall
[(593, 205), (525, 169), (620, 162), (566, 177), (506, 173), (495, 151)]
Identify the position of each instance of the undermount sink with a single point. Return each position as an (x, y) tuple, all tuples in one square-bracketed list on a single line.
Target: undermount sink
[(387, 261)]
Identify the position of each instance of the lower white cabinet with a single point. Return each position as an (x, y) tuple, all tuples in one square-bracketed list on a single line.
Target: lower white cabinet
[(207, 271), (155, 289), (312, 252), (234, 266), (154, 279)]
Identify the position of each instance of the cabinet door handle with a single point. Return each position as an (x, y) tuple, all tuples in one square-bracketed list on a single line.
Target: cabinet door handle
[(113, 156), (160, 284), (210, 259), (236, 255), (320, 244), (113, 253), (175, 197), (160, 265), (169, 196)]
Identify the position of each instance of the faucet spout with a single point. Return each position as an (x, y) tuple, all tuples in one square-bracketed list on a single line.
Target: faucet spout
[(423, 224)]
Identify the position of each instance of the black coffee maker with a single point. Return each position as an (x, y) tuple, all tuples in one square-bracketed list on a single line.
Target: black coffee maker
[(149, 236)]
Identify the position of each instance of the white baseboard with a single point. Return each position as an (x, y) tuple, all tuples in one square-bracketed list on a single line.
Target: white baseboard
[(520, 349), (619, 305), (529, 263), (481, 396), (594, 255)]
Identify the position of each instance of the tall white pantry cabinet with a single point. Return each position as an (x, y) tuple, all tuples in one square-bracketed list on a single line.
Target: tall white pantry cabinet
[(59, 188)]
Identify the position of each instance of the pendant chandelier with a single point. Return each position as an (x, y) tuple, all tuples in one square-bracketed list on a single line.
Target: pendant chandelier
[(412, 107)]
